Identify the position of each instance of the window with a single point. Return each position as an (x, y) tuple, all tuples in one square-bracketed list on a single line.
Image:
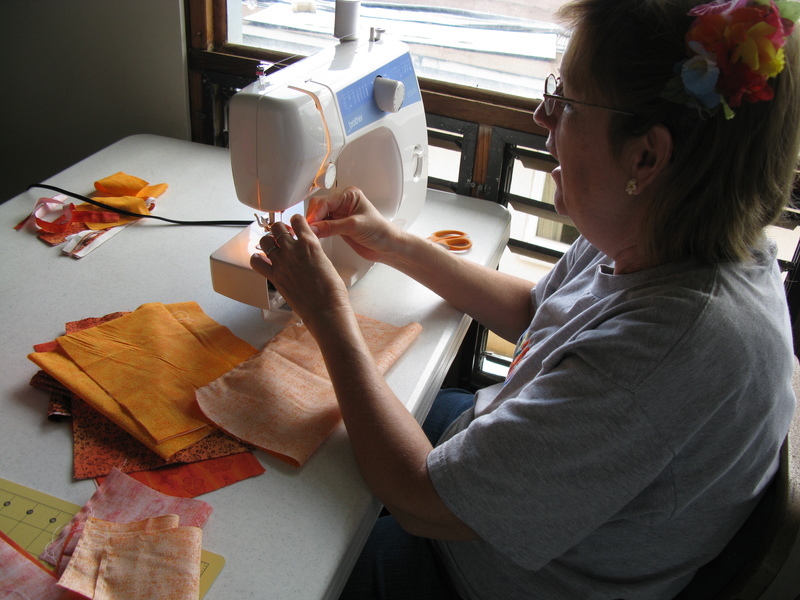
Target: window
[(499, 45)]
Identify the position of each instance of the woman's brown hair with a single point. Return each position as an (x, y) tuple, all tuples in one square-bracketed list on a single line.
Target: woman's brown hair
[(728, 178)]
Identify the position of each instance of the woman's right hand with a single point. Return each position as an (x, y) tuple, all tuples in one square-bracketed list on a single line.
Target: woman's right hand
[(352, 216)]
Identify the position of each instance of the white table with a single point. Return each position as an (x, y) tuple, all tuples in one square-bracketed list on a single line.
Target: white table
[(289, 533)]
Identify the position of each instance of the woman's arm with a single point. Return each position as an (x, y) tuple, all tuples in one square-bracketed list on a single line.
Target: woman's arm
[(499, 301), (390, 447)]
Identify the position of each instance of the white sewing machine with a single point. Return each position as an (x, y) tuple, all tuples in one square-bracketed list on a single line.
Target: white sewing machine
[(348, 115)]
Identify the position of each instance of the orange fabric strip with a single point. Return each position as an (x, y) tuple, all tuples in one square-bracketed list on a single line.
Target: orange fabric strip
[(193, 479)]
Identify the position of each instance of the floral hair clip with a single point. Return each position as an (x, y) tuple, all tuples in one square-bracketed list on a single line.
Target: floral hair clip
[(735, 47)]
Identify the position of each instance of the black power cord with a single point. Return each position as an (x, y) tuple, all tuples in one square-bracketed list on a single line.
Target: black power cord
[(128, 213)]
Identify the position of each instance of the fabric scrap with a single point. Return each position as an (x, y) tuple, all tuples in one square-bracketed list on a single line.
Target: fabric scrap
[(81, 573), (122, 499), (126, 192), (85, 227), (190, 480), (281, 400), (85, 212), (152, 566), (22, 577)]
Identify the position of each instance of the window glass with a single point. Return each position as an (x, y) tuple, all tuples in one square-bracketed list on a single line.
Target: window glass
[(507, 46)]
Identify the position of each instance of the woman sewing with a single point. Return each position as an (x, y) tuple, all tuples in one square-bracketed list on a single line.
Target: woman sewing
[(650, 392)]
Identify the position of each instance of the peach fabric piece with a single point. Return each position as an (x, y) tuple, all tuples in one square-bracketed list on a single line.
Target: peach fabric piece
[(141, 370), (82, 571), (152, 566), (122, 499), (282, 400)]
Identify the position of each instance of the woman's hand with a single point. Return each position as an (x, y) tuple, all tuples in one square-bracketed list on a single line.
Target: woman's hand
[(351, 216), (302, 273)]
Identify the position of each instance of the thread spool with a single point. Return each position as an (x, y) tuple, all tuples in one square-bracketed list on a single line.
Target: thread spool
[(345, 25)]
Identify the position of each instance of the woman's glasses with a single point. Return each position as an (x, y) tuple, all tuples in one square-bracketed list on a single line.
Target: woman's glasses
[(552, 94)]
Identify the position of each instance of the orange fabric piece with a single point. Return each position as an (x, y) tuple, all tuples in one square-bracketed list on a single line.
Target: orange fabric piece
[(152, 191), (120, 184), (141, 370), (123, 191), (150, 364), (193, 479), (59, 365), (282, 400), (82, 571), (130, 203)]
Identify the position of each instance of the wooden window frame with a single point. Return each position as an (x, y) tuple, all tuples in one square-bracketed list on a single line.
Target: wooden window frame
[(210, 52)]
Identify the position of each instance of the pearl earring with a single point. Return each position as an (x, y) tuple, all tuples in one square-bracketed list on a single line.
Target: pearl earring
[(631, 186)]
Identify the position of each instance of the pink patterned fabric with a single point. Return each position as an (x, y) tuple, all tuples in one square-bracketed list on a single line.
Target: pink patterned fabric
[(122, 499)]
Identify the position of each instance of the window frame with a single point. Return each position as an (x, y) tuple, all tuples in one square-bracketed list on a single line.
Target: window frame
[(209, 51)]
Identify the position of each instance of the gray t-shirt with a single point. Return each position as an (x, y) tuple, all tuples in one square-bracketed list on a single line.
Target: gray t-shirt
[(640, 423)]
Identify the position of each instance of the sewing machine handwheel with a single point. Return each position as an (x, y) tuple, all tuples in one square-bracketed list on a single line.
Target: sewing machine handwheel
[(389, 94)]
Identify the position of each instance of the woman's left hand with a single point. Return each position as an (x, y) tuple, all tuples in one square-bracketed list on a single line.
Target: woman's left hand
[(299, 269)]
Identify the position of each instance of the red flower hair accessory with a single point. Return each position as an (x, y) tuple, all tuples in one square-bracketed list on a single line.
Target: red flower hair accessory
[(735, 48)]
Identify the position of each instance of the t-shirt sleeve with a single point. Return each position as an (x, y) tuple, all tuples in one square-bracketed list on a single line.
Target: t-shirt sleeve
[(549, 466)]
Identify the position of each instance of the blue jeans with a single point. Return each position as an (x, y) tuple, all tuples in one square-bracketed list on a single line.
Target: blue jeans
[(395, 564)]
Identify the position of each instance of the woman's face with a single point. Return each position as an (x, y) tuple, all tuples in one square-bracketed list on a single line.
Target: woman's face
[(590, 181)]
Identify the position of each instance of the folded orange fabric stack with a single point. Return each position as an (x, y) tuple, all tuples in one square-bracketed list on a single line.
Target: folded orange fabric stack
[(282, 400), (141, 370)]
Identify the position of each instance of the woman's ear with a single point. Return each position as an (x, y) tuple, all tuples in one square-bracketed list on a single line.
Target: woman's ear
[(651, 153)]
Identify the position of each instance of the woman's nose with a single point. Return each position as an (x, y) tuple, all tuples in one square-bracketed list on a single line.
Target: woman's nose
[(541, 117)]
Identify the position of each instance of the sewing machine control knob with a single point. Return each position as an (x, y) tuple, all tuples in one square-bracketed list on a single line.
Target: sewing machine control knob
[(326, 176), (389, 94)]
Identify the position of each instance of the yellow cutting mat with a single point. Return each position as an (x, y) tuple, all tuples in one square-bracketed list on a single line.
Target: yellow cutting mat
[(32, 519)]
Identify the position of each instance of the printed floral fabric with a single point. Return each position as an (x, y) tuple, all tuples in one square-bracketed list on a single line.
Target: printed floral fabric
[(282, 400), (99, 445)]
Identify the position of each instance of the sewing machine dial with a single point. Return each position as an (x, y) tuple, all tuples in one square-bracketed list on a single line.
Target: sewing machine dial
[(389, 94)]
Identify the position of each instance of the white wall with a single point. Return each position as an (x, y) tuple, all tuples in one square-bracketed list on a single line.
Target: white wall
[(78, 75)]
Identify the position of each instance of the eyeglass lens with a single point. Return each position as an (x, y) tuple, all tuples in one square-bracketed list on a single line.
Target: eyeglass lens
[(550, 90)]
